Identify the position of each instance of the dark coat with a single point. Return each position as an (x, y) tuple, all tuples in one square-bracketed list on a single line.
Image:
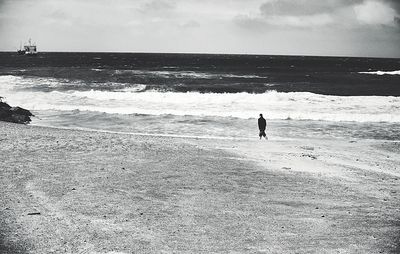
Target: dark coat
[(262, 124)]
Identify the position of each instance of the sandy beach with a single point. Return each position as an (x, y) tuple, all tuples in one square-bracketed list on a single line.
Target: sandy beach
[(70, 191)]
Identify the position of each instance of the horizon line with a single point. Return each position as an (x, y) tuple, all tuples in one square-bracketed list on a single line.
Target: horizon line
[(207, 53)]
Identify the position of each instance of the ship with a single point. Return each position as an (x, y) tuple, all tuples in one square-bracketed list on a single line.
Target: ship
[(30, 49)]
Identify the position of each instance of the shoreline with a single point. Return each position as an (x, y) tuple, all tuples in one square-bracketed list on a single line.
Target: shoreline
[(101, 192), (239, 139)]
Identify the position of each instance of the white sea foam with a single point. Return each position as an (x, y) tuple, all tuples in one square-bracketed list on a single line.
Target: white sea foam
[(380, 73), (184, 74), (294, 105), (239, 76), (133, 89)]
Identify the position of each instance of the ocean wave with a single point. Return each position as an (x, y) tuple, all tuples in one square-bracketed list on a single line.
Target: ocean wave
[(48, 84), (183, 74), (11, 81), (141, 100), (295, 106), (133, 88), (380, 73)]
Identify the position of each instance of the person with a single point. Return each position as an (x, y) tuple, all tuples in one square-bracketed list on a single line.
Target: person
[(262, 124)]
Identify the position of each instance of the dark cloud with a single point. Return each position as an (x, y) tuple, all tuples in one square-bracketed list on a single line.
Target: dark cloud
[(2, 5), (395, 4), (303, 7), (4, 2), (313, 7), (397, 21), (345, 13)]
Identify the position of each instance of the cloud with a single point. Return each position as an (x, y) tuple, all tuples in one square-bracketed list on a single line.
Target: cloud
[(157, 6), (315, 20), (317, 13), (375, 13), (335, 27), (395, 5), (303, 7), (4, 2), (352, 27)]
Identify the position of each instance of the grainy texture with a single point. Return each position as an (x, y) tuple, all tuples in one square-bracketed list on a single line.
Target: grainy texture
[(67, 191)]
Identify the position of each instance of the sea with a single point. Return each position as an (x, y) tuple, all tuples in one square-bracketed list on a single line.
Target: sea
[(206, 95)]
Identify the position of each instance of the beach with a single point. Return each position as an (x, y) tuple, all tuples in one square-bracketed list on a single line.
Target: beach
[(74, 191), (159, 153)]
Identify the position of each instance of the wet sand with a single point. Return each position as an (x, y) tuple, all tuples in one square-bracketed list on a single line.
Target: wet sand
[(66, 191)]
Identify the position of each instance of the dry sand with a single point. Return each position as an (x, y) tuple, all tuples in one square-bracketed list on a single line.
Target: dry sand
[(65, 191)]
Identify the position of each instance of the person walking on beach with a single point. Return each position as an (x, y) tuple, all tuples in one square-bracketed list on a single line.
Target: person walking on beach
[(262, 124)]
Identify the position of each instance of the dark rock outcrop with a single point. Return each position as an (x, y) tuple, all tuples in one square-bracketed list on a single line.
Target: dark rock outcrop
[(14, 114)]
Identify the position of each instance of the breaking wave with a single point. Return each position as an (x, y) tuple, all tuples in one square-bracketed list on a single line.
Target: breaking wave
[(380, 73), (139, 100)]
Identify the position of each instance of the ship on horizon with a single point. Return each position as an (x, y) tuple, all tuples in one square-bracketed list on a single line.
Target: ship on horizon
[(29, 49)]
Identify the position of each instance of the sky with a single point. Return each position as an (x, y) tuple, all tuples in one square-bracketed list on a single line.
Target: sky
[(368, 28)]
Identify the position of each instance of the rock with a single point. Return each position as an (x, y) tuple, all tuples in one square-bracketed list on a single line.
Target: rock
[(4, 110), (14, 114), (4, 105), (5, 113), (34, 213), (313, 157), (21, 111)]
